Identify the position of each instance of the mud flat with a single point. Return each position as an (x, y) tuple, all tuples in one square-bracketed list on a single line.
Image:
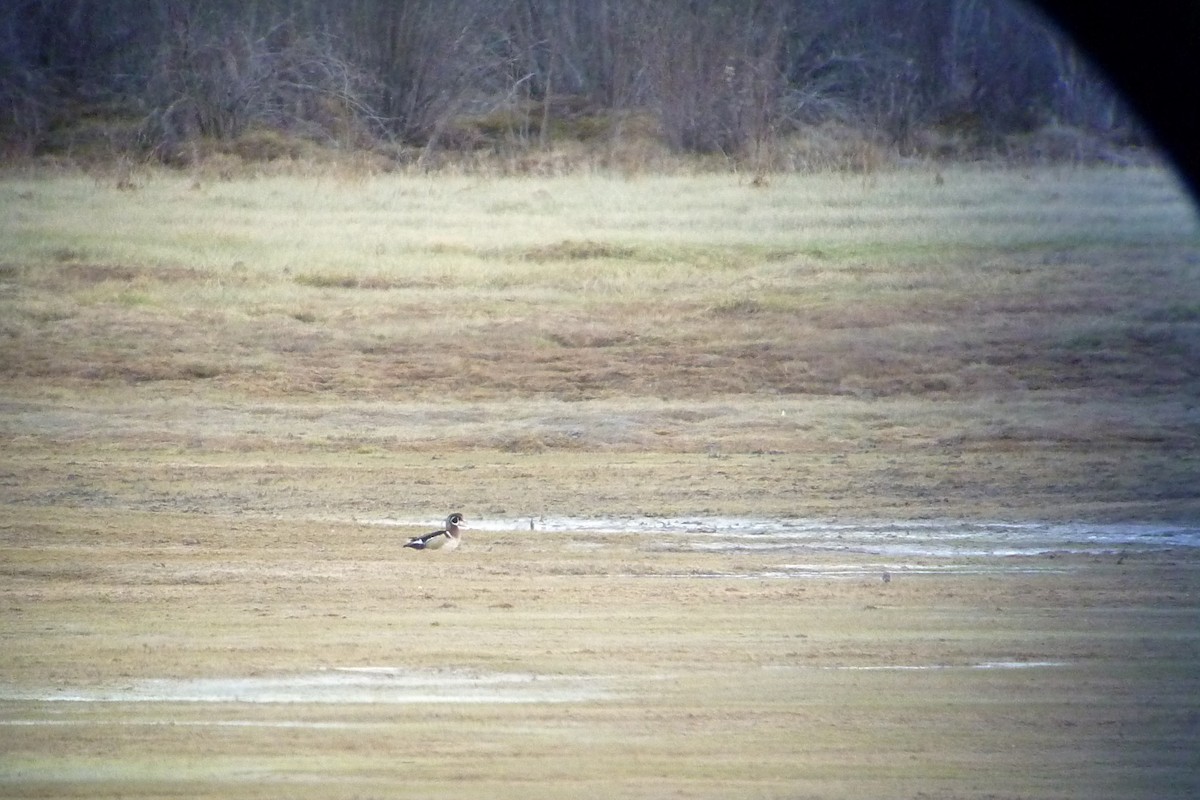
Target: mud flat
[(226, 657)]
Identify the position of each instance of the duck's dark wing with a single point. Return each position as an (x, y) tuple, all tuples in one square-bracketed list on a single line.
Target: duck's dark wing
[(421, 542)]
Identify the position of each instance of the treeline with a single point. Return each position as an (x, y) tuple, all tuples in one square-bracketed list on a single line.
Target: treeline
[(711, 76)]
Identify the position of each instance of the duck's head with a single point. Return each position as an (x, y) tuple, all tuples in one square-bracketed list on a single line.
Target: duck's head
[(456, 520)]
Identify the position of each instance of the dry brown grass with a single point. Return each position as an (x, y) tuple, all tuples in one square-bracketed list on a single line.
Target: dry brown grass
[(922, 329), (206, 384)]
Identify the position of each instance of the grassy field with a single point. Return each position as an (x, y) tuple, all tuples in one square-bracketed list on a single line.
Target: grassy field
[(1002, 344), (210, 388)]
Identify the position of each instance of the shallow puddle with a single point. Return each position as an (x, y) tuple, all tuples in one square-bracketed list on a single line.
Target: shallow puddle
[(884, 571), (912, 539), (351, 685), (924, 667), (336, 685)]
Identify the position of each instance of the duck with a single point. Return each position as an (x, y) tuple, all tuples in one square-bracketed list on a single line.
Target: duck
[(446, 539)]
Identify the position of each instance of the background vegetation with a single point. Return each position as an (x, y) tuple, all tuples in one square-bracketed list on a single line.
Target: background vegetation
[(777, 84)]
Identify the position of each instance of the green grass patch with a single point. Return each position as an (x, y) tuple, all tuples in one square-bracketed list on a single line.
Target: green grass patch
[(579, 251)]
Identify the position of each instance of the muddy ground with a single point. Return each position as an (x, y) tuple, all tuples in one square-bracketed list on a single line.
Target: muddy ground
[(160, 653)]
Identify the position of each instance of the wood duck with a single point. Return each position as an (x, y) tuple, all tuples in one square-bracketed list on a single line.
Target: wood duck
[(446, 539)]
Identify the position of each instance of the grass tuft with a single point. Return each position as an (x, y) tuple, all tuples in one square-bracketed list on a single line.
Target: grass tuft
[(739, 307), (569, 250)]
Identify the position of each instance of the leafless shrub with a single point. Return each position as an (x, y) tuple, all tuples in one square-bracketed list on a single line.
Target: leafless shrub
[(452, 83), (23, 109), (716, 78), (221, 84)]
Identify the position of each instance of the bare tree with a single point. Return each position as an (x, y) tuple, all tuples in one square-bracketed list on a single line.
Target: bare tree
[(215, 79), (720, 76), (715, 73)]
